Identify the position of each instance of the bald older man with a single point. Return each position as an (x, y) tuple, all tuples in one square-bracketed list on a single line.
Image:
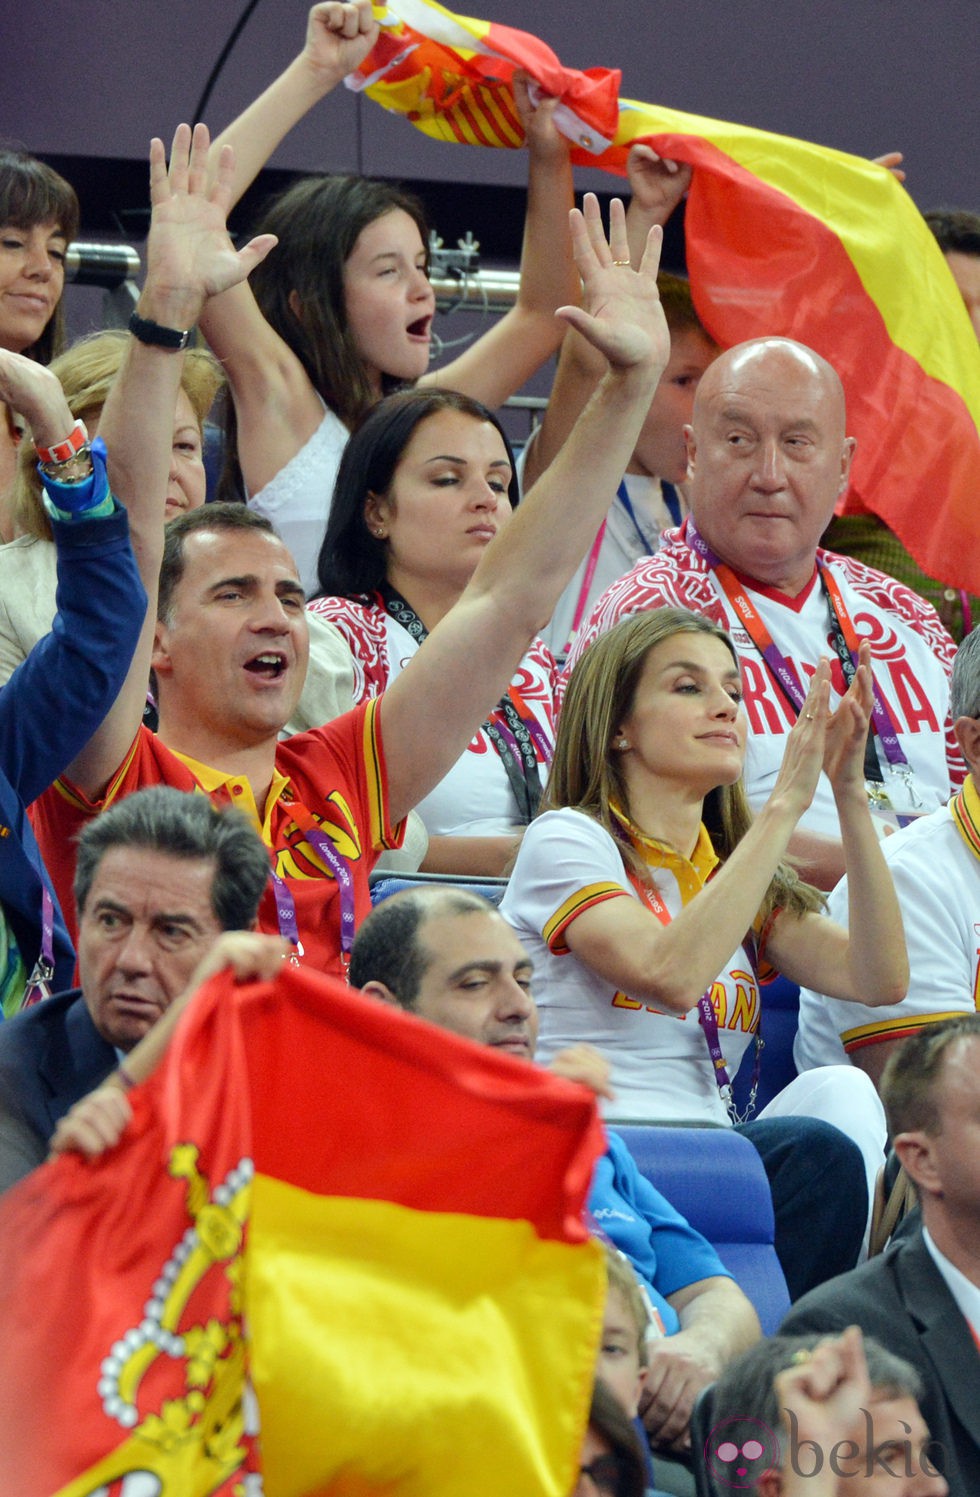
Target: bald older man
[(769, 455)]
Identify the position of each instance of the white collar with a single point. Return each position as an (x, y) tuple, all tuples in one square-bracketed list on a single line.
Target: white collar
[(965, 1293)]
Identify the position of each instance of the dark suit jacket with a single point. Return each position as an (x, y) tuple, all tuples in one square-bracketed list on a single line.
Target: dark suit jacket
[(50, 1056), (901, 1299)]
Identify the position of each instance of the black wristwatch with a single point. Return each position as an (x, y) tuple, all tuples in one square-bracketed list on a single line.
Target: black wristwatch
[(158, 336)]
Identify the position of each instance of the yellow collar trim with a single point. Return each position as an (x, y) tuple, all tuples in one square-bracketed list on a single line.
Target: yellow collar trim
[(691, 873), (965, 810), (239, 792)]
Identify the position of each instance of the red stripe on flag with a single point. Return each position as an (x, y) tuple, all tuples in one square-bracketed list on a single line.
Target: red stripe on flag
[(369, 1160), (469, 110)]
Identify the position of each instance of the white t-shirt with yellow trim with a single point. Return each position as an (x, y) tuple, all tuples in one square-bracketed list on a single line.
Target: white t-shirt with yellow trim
[(937, 879), (661, 1069)]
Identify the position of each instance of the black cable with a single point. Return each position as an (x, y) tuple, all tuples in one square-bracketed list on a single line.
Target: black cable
[(225, 53)]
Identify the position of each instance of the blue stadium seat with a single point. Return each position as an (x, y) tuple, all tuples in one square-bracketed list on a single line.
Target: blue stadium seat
[(385, 884), (780, 1020), (715, 1179)]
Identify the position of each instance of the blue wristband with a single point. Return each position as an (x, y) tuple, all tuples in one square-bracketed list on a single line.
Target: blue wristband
[(87, 500)]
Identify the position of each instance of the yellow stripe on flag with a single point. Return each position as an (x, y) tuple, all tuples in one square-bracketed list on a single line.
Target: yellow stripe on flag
[(464, 1319), (883, 232)]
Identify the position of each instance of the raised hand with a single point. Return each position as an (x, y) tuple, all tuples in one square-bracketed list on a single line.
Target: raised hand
[(339, 37), (656, 184), (541, 135), (190, 256), (892, 162), (621, 316), (32, 391), (94, 1124), (251, 956), (847, 730), (584, 1064), (803, 758), (826, 1391)]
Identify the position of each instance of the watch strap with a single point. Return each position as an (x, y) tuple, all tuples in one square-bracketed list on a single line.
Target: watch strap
[(63, 452), (147, 331)]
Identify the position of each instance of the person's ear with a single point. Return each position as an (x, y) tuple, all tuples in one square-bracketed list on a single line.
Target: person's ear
[(691, 446), (967, 731), (847, 457), (376, 515), (916, 1152), (160, 657), (770, 1484), (382, 991), (295, 305)]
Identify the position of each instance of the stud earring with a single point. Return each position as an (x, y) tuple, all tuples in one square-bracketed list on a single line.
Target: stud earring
[(621, 743)]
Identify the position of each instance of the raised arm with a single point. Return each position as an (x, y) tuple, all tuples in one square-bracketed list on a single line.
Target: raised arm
[(500, 362), (432, 709), (277, 408), (671, 966), (338, 38), (58, 695), (823, 1396), (656, 187), (189, 258)]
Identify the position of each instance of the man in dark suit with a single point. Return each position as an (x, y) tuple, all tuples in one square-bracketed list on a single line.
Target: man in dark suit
[(921, 1298), (159, 877)]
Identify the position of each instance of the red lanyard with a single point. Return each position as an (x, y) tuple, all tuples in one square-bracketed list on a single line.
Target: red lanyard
[(845, 639)]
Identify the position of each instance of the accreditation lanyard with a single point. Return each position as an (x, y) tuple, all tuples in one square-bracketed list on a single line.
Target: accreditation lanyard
[(845, 641), (39, 984), (672, 500), (339, 867), (706, 1013), (512, 728)]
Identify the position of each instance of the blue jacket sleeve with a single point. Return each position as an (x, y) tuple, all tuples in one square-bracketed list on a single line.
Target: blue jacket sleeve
[(54, 702), (59, 695), (664, 1249)]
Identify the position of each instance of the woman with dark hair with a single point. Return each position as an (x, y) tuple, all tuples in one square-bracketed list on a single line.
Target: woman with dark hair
[(38, 219), (424, 485), (341, 314), (651, 902)]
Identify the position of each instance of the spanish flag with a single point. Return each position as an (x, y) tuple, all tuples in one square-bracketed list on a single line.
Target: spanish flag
[(783, 237), (337, 1252)]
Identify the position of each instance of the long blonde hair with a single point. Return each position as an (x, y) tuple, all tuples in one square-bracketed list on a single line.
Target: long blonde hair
[(86, 372), (587, 775)]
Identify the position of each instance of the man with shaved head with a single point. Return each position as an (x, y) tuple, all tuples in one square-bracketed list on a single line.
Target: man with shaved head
[(769, 456)]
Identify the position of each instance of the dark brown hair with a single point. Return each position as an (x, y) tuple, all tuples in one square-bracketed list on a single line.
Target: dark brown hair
[(32, 193)]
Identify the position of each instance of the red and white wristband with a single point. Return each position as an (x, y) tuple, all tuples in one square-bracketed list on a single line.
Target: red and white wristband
[(63, 452)]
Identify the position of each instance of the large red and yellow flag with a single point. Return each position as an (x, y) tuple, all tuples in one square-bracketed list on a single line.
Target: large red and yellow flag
[(783, 237), (330, 1223)]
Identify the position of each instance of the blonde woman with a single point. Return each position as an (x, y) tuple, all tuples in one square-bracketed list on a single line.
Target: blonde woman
[(27, 564)]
